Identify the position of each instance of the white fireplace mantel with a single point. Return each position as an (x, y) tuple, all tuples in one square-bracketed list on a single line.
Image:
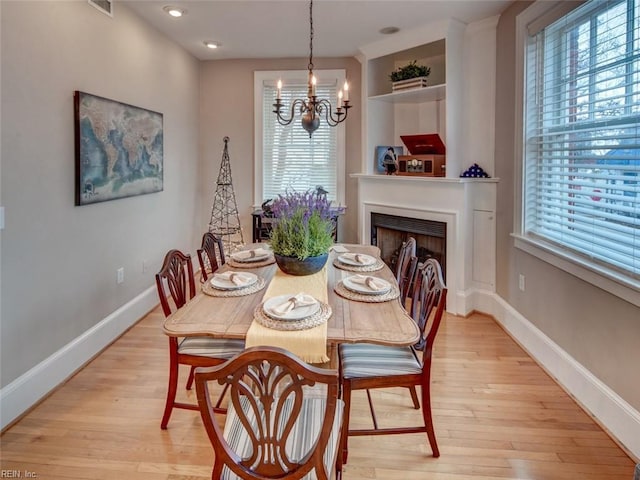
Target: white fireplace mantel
[(466, 205)]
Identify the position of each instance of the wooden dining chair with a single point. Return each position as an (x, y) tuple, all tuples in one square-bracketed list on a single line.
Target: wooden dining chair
[(405, 267), (368, 366), (283, 421), (207, 256), (177, 274)]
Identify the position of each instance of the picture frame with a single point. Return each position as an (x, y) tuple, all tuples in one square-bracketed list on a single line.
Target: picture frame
[(381, 152), (118, 149), (105, 6)]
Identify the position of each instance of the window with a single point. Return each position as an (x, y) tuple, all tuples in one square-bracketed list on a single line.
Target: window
[(286, 158), (581, 172)]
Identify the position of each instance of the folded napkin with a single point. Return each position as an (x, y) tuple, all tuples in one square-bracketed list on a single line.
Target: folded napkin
[(358, 258), (248, 254), (236, 278), (297, 301), (372, 283), (339, 249)]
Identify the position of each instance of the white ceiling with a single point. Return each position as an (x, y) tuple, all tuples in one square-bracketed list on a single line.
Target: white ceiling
[(280, 29)]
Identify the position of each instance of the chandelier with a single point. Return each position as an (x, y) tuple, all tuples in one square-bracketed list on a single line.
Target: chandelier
[(313, 108)]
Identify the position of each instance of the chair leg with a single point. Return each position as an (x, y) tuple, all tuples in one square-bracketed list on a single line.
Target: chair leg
[(346, 398), (224, 390), (191, 377), (414, 397), (373, 412), (428, 420), (173, 384)]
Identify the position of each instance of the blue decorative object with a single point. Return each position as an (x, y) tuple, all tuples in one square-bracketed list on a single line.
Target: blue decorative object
[(295, 266), (474, 171)]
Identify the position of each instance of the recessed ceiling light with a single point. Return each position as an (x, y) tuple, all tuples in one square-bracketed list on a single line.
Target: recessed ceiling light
[(174, 11), (389, 30), (211, 45)]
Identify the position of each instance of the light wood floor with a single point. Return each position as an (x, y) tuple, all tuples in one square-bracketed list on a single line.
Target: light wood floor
[(497, 414)]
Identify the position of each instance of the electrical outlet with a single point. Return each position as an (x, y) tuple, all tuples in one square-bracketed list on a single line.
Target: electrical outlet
[(120, 275), (521, 282)]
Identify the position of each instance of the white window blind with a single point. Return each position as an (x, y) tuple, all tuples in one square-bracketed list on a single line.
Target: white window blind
[(292, 160), (582, 134)]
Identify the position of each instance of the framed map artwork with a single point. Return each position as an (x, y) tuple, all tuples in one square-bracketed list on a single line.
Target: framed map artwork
[(119, 149)]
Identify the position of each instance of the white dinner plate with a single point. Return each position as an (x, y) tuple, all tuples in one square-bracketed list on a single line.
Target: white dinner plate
[(224, 284), (243, 258), (363, 288), (365, 260), (295, 314)]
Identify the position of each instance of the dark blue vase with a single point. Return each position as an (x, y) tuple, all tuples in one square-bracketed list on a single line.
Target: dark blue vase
[(295, 266)]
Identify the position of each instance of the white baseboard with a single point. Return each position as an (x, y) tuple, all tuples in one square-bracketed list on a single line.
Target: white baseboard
[(26, 390), (619, 418)]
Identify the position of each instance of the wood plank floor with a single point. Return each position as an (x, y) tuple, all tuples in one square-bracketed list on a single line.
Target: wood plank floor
[(497, 415)]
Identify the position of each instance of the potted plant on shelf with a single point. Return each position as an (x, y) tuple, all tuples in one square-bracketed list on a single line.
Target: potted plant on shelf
[(302, 231), (411, 75)]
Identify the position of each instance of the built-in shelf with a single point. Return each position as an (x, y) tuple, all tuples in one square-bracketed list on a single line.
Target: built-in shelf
[(416, 95)]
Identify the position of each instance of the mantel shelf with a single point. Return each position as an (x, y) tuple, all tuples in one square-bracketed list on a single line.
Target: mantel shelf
[(416, 95), (408, 178)]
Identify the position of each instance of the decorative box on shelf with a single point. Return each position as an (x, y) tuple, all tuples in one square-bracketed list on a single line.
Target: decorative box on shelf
[(427, 156), (418, 82)]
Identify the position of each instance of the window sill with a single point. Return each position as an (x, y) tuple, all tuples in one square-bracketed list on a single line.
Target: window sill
[(599, 276)]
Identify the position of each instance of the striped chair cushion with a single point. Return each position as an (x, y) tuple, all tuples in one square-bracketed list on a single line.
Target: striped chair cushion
[(210, 347), (304, 433), (368, 360)]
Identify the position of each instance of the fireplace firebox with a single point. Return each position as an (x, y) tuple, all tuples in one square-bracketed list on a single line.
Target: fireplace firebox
[(389, 231)]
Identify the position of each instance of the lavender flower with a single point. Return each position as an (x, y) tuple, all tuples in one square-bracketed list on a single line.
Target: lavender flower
[(303, 225)]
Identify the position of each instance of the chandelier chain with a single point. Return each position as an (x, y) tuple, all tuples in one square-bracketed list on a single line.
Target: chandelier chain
[(311, 36)]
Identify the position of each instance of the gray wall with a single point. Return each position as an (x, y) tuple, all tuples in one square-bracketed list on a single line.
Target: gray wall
[(599, 330), (59, 261), (226, 108)]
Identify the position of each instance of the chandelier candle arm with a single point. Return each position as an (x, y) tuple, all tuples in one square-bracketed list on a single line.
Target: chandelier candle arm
[(312, 108)]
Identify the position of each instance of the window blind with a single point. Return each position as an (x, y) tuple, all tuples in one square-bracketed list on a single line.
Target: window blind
[(292, 160), (582, 138)]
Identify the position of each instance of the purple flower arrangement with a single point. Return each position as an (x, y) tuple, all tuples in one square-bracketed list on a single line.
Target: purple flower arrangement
[(303, 225)]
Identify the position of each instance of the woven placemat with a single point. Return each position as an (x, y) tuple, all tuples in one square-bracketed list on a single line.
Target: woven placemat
[(343, 291), (318, 318), (262, 263), (378, 265), (240, 292)]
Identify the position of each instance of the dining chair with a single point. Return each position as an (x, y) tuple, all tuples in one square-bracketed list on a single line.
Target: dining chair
[(177, 274), (369, 366), (207, 255), (283, 420), (405, 267)]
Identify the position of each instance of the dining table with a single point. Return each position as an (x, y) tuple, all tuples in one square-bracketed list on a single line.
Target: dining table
[(351, 318)]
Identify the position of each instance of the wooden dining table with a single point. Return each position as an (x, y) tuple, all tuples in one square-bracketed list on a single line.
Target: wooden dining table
[(385, 323)]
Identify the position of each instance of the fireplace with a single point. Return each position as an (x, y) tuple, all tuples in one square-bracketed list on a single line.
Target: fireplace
[(389, 231), (459, 213)]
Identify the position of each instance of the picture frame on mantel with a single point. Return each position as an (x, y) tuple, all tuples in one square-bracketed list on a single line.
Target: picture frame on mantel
[(383, 152), (119, 149)]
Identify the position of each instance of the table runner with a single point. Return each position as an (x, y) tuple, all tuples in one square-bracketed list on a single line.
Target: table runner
[(311, 344)]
